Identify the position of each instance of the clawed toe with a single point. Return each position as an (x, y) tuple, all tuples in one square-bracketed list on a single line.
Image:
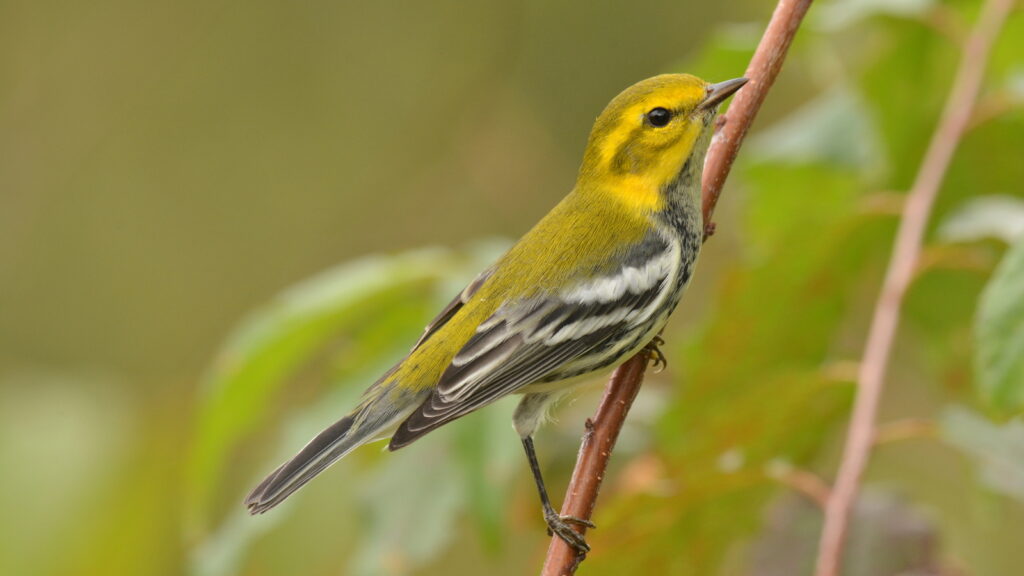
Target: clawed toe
[(578, 521), (561, 526), (658, 360)]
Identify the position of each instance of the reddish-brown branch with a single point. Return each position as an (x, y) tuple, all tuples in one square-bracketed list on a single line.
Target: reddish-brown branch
[(906, 250), (762, 71), (603, 429), (595, 451)]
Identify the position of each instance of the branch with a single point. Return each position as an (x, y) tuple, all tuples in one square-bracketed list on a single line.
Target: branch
[(804, 482), (762, 70), (603, 429), (906, 250), (595, 451)]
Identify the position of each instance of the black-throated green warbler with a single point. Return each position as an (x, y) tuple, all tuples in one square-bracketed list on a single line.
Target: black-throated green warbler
[(589, 286)]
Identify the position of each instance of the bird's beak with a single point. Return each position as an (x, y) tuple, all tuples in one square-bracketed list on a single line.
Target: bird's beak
[(717, 93)]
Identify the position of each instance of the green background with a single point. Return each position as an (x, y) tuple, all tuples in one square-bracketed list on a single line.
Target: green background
[(213, 221)]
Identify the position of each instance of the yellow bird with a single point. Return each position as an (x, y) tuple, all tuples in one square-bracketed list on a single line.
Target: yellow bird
[(589, 286)]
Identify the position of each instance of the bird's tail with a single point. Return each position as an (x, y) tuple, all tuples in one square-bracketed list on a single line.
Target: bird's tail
[(371, 421)]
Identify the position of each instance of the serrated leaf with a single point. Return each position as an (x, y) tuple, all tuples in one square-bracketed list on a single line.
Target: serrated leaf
[(999, 326)]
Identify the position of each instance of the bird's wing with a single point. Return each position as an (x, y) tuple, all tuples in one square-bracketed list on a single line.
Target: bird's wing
[(527, 340), (453, 307)]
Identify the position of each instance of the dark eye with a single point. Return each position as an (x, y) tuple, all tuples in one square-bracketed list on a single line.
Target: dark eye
[(659, 117)]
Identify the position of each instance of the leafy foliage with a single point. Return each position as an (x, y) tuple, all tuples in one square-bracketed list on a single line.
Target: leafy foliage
[(274, 342), (355, 313), (156, 195), (781, 306), (999, 217), (1000, 326), (998, 449)]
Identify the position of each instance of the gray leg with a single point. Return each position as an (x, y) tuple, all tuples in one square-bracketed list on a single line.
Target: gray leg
[(558, 525), (528, 415)]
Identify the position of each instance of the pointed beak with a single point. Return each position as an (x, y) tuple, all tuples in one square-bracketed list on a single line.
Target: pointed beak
[(717, 93)]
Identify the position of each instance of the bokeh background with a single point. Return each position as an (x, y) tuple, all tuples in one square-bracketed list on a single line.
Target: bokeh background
[(219, 221)]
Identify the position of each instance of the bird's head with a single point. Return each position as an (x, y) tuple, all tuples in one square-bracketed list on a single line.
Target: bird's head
[(644, 137)]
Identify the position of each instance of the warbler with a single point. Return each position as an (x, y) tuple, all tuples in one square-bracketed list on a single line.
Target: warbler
[(590, 285)]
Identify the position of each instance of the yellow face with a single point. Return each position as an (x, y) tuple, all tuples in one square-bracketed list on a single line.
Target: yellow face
[(644, 137)]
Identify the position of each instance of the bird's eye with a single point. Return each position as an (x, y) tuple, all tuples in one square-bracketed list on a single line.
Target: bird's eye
[(659, 117)]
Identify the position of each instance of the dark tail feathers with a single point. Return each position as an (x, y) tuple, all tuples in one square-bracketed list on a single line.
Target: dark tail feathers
[(321, 452)]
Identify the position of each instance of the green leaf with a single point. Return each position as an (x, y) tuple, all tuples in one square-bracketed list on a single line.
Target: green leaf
[(843, 13), (1000, 217), (834, 129), (354, 310), (765, 360), (411, 510), (998, 449), (999, 326), (1015, 84), (223, 551), (488, 459)]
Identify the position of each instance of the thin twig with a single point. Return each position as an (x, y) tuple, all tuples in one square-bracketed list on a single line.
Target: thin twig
[(762, 71), (906, 250), (804, 482), (603, 429), (907, 429)]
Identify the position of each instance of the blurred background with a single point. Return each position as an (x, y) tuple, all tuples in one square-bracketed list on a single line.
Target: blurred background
[(220, 221)]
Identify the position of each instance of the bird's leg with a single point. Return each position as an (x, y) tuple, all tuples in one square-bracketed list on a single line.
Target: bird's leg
[(657, 356), (558, 525)]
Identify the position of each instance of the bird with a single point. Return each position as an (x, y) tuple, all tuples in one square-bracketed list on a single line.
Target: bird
[(590, 285)]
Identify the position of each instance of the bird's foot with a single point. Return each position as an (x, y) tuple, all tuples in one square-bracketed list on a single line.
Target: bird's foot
[(658, 360), (561, 526)]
